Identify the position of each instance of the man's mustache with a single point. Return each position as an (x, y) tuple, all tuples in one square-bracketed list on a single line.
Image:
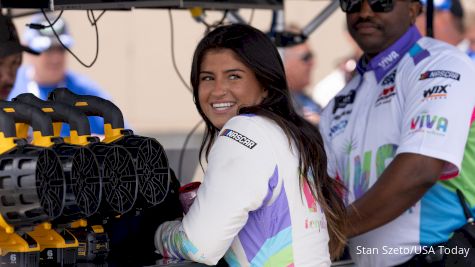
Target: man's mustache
[(367, 20)]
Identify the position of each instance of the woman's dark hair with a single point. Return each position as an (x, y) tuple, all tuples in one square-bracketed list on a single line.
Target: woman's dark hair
[(256, 51)]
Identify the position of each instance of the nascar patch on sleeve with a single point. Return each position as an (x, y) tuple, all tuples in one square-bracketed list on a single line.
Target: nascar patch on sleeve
[(241, 139)]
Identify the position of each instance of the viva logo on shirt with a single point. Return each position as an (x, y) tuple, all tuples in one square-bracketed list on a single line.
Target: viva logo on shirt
[(387, 61), (429, 123)]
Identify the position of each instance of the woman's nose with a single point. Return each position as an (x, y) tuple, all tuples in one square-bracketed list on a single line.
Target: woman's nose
[(220, 88)]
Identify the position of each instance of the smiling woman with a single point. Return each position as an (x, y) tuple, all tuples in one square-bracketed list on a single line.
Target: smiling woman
[(226, 85), (266, 170)]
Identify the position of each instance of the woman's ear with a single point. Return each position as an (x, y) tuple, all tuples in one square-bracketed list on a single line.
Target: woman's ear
[(265, 92)]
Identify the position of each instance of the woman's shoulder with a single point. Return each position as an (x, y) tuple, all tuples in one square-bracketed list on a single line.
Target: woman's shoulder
[(254, 127), (251, 119), (252, 122)]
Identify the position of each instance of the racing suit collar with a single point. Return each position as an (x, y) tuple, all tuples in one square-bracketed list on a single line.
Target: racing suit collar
[(386, 60)]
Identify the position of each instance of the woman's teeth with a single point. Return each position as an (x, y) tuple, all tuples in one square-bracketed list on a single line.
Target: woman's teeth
[(222, 106)]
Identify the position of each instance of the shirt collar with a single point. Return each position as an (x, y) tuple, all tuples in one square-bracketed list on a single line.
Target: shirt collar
[(387, 59)]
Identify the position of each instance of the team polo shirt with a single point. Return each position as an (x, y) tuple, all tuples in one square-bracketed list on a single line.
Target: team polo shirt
[(251, 207), (417, 96)]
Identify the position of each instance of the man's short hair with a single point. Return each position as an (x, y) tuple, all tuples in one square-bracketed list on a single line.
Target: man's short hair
[(9, 41)]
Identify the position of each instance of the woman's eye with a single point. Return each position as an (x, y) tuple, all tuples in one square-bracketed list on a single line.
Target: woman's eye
[(234, 77), (206, 78)]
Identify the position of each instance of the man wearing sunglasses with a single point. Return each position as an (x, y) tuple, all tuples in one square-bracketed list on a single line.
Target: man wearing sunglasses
[(299, 62), (400, 136)]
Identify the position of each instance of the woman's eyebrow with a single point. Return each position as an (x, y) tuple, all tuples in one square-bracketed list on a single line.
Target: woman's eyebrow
[(225, 71), (232, 70)]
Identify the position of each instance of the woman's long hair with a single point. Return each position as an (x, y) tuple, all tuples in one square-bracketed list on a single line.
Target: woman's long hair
[(257, 52)]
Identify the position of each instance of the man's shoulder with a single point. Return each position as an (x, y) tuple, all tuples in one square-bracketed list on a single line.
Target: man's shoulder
[(80, 80), (434, 44), (21, 82), (440, 51), (430, 55), (22, 74), (307, 102), (81, 84)]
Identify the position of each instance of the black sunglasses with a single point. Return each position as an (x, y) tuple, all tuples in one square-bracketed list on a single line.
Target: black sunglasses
[(353, 6)]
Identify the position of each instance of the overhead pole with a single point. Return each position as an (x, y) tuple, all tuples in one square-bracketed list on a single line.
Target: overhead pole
[(285, 39), (321, 17), (430, 18)]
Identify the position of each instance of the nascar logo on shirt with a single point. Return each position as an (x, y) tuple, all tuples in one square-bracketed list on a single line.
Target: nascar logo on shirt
[(440, 74), (433, 124), (241, 139)]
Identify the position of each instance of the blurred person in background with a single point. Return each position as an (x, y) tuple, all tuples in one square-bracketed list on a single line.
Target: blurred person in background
[(454, 23), (299, 62), (10, 55), (469, 24), (43, 73), (448, 24), (331, 84)]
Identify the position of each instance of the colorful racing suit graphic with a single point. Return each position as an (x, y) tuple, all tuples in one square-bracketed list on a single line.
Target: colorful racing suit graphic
[(251, 207)]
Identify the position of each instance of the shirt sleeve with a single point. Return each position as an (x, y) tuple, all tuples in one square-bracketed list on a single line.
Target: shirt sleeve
[(438, 110), (236, 182)]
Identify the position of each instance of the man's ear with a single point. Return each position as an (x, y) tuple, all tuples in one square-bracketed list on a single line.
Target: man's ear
[(415, 9)]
